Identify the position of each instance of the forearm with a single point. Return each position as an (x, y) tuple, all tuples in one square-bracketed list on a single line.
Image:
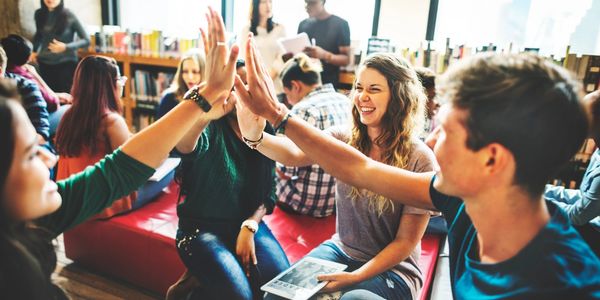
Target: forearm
[(389, 257), (190, 139), (152, 145), (283, 150), (352, 167), (340, 59)]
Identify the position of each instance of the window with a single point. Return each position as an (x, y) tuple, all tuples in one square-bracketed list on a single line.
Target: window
[(290, 13), (549, 25), (178, 18)]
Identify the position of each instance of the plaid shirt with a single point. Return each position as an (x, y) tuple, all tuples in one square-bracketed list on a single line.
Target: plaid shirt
[(309, 190)]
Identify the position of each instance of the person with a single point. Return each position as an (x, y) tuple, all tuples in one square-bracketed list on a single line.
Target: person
[(190, 72), (505, 240), (18, 50), (54, 43), (309, 190), (330, 35), (93, 127), (35, 209), (583, 205), (427, 78), (379, 241), (228, 188), (32, 101), (266, 32)]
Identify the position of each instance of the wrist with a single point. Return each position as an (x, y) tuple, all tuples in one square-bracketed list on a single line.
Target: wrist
[(250, 225), (278, 114), (212, 95)]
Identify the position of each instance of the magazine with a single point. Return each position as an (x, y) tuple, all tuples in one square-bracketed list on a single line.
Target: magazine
[(294, 44), (299, 282)]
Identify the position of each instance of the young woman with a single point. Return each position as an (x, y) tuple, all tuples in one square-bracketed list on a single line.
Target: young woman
[(54, 43), (266, 33), (190, 72), (93, 126), (228, 188), (34, 209), (379, 241)]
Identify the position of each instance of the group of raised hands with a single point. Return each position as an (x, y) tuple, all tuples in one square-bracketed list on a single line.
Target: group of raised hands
[(254, 101)]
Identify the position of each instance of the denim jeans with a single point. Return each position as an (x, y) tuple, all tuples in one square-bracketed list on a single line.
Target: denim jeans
[(209, 254), (386, 285)]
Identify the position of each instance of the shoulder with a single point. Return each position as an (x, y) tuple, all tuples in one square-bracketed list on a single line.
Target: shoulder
[(339, 19), (113, 119), (421, 157)]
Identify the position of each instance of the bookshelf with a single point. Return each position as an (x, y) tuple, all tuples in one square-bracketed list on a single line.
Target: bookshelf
[(129, 64)]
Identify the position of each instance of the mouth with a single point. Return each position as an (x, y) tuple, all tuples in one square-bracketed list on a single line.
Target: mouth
[(366, 110)]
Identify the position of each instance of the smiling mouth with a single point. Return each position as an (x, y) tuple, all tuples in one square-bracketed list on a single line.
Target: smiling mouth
[(367, 109)]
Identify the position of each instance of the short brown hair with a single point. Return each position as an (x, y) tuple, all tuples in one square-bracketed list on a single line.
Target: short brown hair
[(524, 102)]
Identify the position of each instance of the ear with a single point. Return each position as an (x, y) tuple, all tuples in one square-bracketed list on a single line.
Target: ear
[(296, 87), (497, 160)]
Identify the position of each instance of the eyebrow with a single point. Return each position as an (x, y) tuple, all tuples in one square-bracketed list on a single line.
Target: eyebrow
[(31, 145)]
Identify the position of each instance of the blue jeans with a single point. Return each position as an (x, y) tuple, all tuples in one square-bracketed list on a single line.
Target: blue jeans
[(386, 285), (209, 254)]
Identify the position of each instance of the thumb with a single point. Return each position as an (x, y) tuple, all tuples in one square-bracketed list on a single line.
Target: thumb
[(254, 260), (327, 277)]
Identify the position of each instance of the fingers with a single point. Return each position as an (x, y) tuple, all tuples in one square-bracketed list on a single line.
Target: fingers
[(218, 26), (204, 42), (232, 59), (251, 71), (240, 89), (327, 277), (254, 260)]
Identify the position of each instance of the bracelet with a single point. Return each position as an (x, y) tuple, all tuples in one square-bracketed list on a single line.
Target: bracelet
[(280, 129), (253, 144)]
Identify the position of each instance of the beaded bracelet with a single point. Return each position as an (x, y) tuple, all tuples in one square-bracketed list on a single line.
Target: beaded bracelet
[(280, 129)]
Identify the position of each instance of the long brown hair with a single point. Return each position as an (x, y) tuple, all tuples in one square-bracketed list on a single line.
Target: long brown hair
[(27, 257), (404, 115), (179, 86), (94, 93)]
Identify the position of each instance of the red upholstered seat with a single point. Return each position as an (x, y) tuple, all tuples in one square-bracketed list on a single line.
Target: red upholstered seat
[(139, 246)]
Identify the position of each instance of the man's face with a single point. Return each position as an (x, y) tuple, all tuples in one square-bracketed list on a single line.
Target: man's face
[(313, 7), (460, 170)]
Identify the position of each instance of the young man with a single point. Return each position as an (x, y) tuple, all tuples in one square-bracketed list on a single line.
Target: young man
[(512, 121), (331, 36)]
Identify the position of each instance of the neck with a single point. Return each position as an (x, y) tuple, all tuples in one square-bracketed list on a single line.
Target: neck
[(322, 15), (373, 132), (262, 22), (506, 221), (307, 89)]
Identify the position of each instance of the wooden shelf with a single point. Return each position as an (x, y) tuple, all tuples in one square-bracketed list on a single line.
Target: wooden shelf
[(137, 62)]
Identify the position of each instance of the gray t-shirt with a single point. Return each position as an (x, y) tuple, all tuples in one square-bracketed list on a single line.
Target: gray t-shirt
[(362, 233)]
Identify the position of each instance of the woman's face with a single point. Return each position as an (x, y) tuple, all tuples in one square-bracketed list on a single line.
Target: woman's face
[(190, 72), (371, 97), (28, 192), (51, 4), (265, 9)]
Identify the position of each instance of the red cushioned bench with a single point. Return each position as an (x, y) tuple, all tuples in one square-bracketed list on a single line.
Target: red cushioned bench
[(139, 247)]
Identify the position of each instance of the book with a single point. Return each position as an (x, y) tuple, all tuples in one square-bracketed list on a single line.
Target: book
[(295, 44), (299, 282), (167, 166)]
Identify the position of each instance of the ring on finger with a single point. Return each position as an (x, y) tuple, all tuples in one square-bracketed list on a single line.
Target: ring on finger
[(221, 44)]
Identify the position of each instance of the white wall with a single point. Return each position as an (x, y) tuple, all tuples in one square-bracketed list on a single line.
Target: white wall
[(87, 11), (403, 21)]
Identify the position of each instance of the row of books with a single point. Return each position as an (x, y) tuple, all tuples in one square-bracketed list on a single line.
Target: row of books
[(585, 67), (150, 43), (147, 87)]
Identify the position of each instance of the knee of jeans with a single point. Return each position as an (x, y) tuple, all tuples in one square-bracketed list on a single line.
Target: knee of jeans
[(359, 295)]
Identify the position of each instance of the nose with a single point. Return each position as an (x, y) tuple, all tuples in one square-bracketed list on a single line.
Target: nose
[(48, 158)]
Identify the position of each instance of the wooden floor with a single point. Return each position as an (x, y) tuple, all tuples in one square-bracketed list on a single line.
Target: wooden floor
[(81, 283)]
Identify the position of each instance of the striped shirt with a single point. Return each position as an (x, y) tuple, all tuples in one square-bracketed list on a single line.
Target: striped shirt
[(309, 190)]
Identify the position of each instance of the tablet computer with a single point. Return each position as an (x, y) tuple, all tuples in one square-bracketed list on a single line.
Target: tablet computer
[(299, 282)]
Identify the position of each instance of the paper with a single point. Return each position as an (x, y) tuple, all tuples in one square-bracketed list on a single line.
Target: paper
[(294, 44), (164, 169)]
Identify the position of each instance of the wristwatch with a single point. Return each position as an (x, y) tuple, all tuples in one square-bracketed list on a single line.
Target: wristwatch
[(194, 95), (251, 225)]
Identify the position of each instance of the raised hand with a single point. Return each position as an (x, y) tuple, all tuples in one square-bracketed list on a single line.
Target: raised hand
[(220, 61), (251, 125), (259, 96)]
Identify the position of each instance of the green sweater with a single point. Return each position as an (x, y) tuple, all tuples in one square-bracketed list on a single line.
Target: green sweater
[(223, 179), (89, 192)]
